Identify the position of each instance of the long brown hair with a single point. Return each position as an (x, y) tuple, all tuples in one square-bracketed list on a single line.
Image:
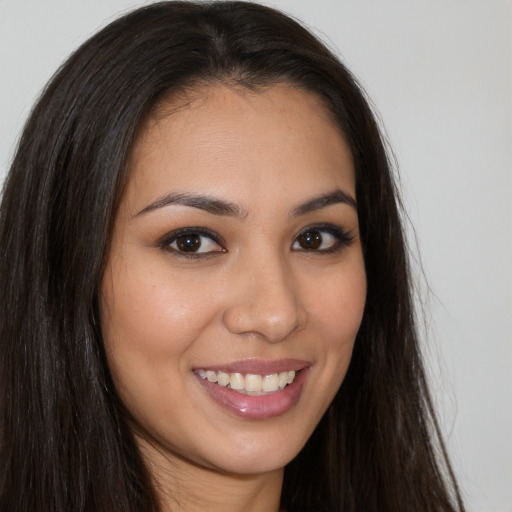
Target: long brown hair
[(64, 442)]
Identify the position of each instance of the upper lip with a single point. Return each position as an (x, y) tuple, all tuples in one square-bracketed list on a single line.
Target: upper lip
[(258, 366)]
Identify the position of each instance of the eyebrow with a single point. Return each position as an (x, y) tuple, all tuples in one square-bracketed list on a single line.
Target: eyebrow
[(206, 203), (221, 207), (335, 197)]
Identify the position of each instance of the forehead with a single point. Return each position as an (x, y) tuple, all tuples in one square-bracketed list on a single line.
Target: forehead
[(233, 141)]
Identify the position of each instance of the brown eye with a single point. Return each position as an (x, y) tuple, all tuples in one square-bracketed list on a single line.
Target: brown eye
[(188, 243), (310, 240), (192, 242), (322, 239)]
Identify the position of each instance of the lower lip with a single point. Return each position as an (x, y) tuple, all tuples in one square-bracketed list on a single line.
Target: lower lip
[(257, 407)]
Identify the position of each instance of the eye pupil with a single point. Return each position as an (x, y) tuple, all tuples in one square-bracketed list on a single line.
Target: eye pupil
[(189, 243), (310, 240)]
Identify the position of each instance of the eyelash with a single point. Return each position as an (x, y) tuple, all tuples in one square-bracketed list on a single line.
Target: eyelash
[(173, 236), (342, 239)]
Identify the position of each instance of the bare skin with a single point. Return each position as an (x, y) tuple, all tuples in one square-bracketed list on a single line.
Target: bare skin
[(235, 254), (197, 489)]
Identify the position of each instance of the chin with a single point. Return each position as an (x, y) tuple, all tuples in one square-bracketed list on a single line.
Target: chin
[(250, 455)]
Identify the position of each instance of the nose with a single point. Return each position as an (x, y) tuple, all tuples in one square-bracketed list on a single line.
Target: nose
[(264, 301)]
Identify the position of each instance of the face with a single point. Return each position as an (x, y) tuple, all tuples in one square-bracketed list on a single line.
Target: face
[(235, 284)]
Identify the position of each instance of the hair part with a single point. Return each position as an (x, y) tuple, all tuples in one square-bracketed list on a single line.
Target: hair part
[(65, 443)]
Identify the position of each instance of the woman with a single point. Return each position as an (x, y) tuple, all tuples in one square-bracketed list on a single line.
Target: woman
[(208, 295)]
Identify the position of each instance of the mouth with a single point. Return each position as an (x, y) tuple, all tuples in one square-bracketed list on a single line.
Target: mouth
[(251, 384), (255, 390)]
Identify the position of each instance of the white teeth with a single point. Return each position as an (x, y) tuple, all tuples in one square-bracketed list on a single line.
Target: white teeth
[(283, 379), (236, 381), (223, 378), (211, 376), (252, 384), (271, 383)]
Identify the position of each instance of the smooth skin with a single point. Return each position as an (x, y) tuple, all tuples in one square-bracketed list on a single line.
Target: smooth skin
[(267, 264)]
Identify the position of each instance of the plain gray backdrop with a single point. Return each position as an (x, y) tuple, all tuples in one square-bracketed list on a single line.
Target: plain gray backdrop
[(440, 75)]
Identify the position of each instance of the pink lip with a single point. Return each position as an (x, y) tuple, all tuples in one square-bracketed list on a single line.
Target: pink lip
[(257, 407)]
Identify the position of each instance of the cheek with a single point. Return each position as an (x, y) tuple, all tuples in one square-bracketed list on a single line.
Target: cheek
[(150, 310), (150, 323), (339, 306), (336, 315)]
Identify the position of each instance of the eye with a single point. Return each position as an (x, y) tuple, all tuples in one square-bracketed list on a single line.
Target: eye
[(326, 239), (192, 242), (314, 240)]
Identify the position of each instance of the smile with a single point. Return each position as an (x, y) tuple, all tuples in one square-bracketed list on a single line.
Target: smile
[(255, 390), (249, 384)]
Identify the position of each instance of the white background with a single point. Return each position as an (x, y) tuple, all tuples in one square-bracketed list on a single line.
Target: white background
[(440, 74)]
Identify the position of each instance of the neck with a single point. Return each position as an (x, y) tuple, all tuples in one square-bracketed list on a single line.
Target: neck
[(189, 487)]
